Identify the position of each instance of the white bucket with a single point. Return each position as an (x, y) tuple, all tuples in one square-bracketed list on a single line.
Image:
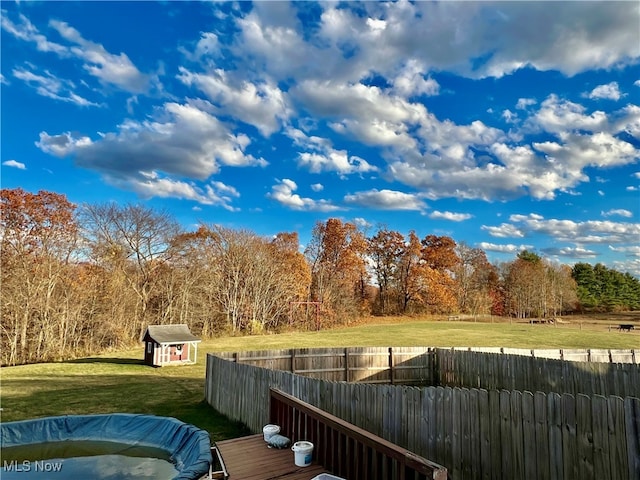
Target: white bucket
[(269, 431), (303, 453)]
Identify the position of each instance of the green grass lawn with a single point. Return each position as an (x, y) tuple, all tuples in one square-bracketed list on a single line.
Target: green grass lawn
[(119, 382)]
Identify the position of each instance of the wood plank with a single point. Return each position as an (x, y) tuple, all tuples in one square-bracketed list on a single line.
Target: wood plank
[(485, 420), (495, 438), (617, 443), (517, 442), (249, 458), (456, 434), (466, 418), (430, 414), (440, 432), (530, 456), (554, 415), (584, 431), (600, 436), (505, 434), (569, 437), (632, 417), (542, 441), (475, 436)]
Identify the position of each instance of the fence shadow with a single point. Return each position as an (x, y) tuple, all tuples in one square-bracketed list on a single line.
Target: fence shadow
[(116, 361)]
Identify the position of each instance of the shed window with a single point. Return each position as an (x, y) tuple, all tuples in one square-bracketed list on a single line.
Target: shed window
[(148, 347)]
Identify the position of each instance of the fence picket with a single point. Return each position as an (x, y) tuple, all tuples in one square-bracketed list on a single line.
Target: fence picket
[(632, 421), (530, 454), (584, 432)]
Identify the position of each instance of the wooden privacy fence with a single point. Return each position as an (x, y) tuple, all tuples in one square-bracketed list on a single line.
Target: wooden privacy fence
[(590, 372), (402, 365), (474, 433), (458, 368)]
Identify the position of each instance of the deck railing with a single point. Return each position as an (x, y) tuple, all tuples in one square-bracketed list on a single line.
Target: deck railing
[(345, 449)]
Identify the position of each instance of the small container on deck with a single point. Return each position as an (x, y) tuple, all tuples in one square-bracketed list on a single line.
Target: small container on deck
[(269, 431), (303, 453)]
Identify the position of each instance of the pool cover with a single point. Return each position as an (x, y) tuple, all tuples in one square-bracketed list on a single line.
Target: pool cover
[(188, 446)]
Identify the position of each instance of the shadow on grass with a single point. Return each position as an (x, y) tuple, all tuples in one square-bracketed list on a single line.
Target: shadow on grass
[(178, 397), (119, 361)]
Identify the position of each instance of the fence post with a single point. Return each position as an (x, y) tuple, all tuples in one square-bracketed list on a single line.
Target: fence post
[(346, 364), (235, 357), (293, 360), (391, 365)]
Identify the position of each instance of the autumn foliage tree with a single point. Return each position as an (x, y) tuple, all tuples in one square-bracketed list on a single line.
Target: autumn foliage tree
[(338, 270), (39, 237), (132, 243), (535, 287)]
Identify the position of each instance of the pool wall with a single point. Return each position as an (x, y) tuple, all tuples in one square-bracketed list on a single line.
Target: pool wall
[(189, 446)]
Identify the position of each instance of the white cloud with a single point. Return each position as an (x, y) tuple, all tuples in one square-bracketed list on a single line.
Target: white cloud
[(208, 46), (324, 158), (261, 104), (386, 200), (317, 187), (14, 164), (410, 81), (109, 68), (637, 83), (451, 216), (151, 184), (283, 194), (619, 212), (570, 252), (586, 232), (557, 115), (632, 266), (362, 223), (509, 116), (631, 251), (508, 248), (182, 141), (334, 160), (50, 86), (610, 91), (505, 230), (62, 145), (483, 39), (26, 31), (523, 103)]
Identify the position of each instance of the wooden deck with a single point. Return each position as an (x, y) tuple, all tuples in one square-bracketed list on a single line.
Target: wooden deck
[(249, 458)]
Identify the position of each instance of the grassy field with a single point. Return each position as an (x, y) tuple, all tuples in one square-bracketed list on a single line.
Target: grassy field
[(119, 382)]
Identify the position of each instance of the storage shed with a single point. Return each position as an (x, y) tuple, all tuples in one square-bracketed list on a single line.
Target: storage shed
[(169, 345)]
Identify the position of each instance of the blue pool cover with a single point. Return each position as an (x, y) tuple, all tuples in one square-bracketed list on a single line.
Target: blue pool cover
[(188, 446)]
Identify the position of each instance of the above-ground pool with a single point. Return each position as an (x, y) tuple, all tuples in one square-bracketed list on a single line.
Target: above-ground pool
[(101, 447)]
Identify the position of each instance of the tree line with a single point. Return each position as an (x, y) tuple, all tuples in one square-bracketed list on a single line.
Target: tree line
[(79, 280)]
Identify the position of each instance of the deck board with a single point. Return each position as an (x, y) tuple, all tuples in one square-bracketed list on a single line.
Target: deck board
[(249, 458)]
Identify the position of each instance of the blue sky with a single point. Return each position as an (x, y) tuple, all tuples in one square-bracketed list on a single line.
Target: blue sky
[(505, 125)]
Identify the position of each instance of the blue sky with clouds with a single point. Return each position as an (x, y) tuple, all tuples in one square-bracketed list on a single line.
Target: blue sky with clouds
[(505, 125)]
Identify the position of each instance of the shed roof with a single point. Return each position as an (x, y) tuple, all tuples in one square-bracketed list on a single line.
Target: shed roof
[(171, 333)]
